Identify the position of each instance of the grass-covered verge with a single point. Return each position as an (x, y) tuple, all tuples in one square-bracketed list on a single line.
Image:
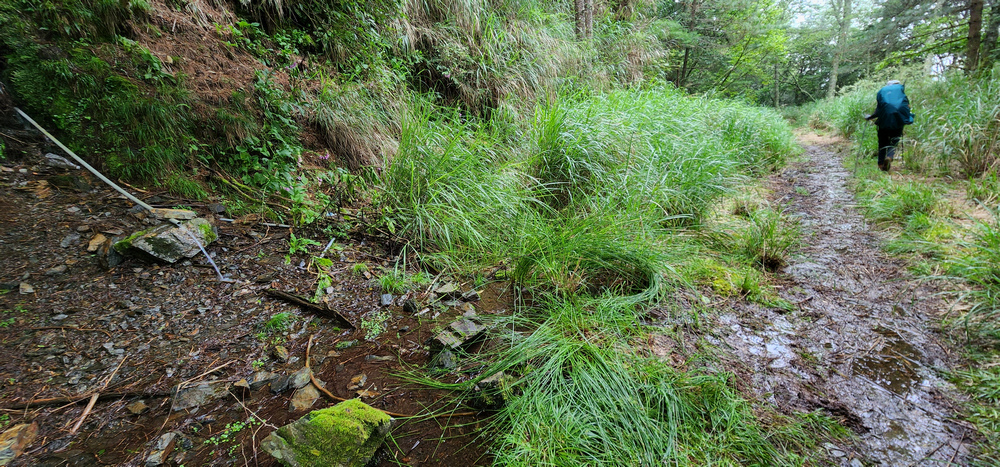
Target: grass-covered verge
[(940, 209), (239, 100), (602, 206)]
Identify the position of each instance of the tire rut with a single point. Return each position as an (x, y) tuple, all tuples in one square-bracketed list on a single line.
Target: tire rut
[(860, 342)]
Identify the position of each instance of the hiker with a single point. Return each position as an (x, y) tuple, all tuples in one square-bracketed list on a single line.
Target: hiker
[(892, 112)]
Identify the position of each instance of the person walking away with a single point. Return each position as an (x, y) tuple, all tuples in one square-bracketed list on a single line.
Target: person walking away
[(892, 113)]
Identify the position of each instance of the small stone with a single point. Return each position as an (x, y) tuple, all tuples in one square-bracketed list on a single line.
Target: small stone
[(82, 228), (280, 384), (447, 288), (73, 209), (164, 445), (70, 240), (137, 407), (57, 270), (471, 296), (261, 378), (171, 243), (240, 388), (96, 242), (299, 378), (410, 306), (492, 392), (386, 299), (333, 354), (856, 463), (281, 353), (358, 381), (195, 396), (404, 329), (59, 317), (14, 441), (303, 398), (55, 160), (445, 359), (343, 345), (216, 208), (837, 453)]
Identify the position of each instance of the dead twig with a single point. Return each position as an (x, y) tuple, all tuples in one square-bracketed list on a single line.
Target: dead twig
[(73, 328), (93, 398), (86, 411), (5, 135), (321, 310), (77, 399), (957, 448)]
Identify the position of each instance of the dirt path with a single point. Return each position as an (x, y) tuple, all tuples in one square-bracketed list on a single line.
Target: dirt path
[(860, 343)]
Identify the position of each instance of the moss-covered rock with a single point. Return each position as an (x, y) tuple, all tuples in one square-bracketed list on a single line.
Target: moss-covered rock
[(171, 243), (347, 435)]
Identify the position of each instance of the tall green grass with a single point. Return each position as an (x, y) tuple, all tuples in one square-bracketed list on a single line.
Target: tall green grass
[(978, 266), (596, 204)]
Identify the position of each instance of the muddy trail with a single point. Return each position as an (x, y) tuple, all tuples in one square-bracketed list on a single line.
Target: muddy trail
[(859, 342)]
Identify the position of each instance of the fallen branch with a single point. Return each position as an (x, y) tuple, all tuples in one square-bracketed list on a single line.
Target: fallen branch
[(322, 310), (86, 411), (74, 328), (341, 399), (76, 399), (93, 399)]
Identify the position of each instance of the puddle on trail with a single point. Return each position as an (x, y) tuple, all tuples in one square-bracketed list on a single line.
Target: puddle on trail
[(892, 367)]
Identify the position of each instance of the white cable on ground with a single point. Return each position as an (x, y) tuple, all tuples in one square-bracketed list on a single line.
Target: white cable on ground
[(85, 164)]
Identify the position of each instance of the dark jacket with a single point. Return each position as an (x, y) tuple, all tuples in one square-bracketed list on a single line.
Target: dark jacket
[(893, 108)]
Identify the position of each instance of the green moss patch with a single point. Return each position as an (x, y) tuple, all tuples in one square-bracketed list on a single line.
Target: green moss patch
[(347, 434)]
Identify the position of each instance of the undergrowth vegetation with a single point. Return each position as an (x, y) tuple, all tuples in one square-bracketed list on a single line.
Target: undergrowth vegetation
[(608, 205), (479, 133)]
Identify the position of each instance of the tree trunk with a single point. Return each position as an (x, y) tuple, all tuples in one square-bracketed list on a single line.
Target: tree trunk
[(589, 11), (842, 10), (991, 37), (682, 72), (776, 86), (583, 16), (975, 35)]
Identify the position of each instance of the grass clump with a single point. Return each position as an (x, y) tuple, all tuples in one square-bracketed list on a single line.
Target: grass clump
[(768, 238), (598, 209), (977, 265), (279, 323)]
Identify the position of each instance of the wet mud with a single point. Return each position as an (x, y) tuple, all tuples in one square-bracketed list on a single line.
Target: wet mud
[(860, 341)]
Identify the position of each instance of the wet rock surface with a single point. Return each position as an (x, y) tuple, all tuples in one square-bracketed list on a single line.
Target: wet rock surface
[(859, 341)]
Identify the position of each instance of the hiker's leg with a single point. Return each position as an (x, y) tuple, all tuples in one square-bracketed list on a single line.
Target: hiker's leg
[(884, 144)]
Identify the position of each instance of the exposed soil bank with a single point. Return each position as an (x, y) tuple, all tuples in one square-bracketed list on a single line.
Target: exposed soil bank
[(860, 341)]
